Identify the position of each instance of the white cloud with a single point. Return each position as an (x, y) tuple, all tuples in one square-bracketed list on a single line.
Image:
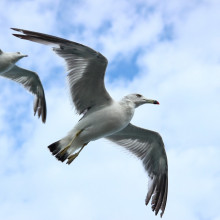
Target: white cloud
[(104, 182)]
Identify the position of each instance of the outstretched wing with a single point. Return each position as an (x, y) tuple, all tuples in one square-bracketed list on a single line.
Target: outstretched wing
[(86, 69), (32, 83), (149, 147)]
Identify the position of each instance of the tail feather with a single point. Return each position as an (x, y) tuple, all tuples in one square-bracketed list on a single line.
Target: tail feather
[(60, 151), (66, 146), (62, 156), (55, 148)]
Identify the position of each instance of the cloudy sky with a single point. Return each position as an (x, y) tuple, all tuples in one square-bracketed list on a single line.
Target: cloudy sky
[(166, 50)]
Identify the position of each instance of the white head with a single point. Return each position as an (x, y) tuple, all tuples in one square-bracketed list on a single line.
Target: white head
[(138, 100), (17, 56), (13, 56)]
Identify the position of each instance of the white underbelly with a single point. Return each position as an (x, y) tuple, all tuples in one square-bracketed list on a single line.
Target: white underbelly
[(103, 123)]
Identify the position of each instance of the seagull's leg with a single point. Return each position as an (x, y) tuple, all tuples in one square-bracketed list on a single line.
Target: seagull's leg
[(62, 152), (73, 157)]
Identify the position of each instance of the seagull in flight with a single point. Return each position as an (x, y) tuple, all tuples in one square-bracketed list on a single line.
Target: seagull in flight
[(105, 117), (30, 80)]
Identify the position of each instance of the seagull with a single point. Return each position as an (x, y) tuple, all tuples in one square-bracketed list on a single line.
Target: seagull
[(105, 117), (30, 80)]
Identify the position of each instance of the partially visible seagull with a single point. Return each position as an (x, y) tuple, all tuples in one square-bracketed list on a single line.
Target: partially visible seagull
[(30, 80), (103, 116)]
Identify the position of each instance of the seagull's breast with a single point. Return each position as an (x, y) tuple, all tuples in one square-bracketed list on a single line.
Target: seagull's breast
[(5, 64), (105, 121)]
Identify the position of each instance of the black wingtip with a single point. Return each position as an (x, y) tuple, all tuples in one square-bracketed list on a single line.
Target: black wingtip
[(18, 30), (15, 29), (44, 112), (18, 35)]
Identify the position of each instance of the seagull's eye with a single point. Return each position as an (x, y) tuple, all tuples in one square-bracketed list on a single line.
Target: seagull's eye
[(138, 95)]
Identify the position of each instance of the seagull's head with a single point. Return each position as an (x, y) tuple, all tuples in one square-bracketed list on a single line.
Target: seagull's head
[(138, 100), (15, 56), (12, 57)]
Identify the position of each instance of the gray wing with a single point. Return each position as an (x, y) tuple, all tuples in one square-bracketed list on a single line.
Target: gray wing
[(86, 69), (149, 147), (30, 80)]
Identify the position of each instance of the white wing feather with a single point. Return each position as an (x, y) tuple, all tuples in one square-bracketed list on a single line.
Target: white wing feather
[(32, 83), (86, 69), (149, 147)]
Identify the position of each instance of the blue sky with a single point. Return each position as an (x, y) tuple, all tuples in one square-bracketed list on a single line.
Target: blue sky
[(165, 50)]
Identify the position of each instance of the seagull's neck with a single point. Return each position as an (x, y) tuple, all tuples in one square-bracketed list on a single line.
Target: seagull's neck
[(128, 108), (127, 103), (6, 62)]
